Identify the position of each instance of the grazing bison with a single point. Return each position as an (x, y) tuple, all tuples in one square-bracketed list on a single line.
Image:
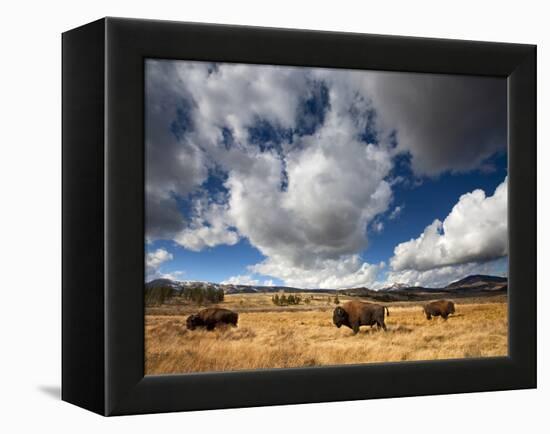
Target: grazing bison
[(441, 308), (212, 317), (354, 314)]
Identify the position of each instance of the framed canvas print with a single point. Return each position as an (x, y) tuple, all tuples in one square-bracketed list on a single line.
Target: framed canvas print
[(263, 216)]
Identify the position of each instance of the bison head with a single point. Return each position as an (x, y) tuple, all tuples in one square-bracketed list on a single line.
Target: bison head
[(193, 321), (339, 317)]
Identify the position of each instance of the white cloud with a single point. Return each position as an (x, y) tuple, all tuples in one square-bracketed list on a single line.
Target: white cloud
[(153, 261), (322, 213), (236, 95), (336, 186), (189, 107), (247, 279), (346, 272), (243, 279), (175, 166), (173, 275), (476, 230), (378, 226), (396, 212), (209, 227), (335, 183)]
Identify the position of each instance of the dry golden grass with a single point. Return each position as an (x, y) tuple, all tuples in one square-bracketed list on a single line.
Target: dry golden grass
[(272, 337)]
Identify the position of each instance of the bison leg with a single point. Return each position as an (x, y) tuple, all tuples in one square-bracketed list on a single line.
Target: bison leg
[(355, 328), (210, 326), (428, 316), (444, 316), (384, 326)]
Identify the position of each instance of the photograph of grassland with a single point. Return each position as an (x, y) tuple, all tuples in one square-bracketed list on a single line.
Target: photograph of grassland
[(307, 216), (300, 335)]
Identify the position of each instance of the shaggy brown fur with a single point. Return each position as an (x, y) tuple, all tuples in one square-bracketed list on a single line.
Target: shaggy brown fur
[(354, 314), (211, 317), (441, 308)]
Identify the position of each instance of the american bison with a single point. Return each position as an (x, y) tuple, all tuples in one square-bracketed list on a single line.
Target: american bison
[(354, 314), (441, 308), (212, 317)]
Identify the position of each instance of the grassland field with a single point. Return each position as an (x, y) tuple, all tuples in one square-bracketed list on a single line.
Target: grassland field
[(270, 336)]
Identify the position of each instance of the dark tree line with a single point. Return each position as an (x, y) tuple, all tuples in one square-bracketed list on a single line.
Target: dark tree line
[(283, 300), (203, 295)]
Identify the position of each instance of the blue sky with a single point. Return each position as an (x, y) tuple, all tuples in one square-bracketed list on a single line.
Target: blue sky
[(321, 178)]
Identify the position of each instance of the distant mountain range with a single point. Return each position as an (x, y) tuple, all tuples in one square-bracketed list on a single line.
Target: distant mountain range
[(471, 286), (480, 281), (228, 288), (475, 285)]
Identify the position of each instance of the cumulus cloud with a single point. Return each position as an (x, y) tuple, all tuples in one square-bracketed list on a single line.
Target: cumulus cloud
[(323, 213), (153, 261), (174, 165), (446, 123), (346, 272), (198, 117), (335, 186), (476, 230), (209, 227), (235, 96)]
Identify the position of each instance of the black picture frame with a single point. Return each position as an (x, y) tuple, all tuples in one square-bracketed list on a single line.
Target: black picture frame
[(103, 216)]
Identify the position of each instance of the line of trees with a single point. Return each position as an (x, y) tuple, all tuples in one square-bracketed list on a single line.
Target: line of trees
[(203, 295), (158, 295), (283, 300)]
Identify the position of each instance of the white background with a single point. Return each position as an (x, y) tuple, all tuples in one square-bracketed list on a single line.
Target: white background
[(30, 215)]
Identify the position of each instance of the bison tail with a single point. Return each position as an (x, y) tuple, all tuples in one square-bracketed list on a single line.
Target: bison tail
[(387, 311)]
